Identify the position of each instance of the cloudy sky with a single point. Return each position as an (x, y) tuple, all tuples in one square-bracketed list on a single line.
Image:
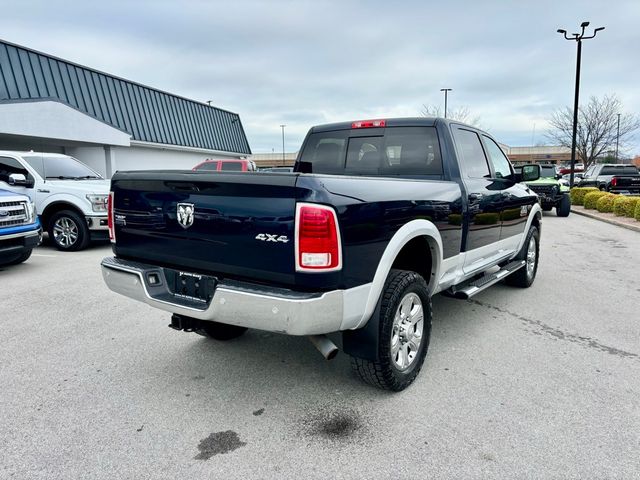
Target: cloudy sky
[(302, 62)]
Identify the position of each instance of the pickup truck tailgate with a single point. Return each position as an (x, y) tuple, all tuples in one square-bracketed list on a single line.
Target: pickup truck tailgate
[(237, 224)]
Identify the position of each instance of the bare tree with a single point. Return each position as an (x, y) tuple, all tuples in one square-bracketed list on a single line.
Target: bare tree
[(597, 128), (460, 114)]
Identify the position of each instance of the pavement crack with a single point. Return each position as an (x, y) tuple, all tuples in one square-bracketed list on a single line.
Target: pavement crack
[(559, 334)]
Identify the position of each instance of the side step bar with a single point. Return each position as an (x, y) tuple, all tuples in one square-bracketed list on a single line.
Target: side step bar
[(468, 290)]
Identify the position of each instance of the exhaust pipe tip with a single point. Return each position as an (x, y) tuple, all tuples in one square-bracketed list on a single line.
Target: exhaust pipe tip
[(326, 347)]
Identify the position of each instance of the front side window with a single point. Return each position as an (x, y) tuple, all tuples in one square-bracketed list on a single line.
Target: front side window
[(9, 166), (501, 164), (473, 160)]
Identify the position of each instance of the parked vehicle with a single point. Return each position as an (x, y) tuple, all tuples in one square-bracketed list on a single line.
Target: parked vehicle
[(70, 198), (276, 170), (615, 178), (377, 218), (20, 230), (566, 179), (226, 165), (552, 191), (578, 167)]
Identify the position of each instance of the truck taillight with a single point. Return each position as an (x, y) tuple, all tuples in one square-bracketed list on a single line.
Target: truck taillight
[(112, 231), (368, 124), (318, 247), (614, 181)]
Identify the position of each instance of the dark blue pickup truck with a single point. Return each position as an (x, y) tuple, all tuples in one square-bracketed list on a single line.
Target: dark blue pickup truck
[(377, 217)]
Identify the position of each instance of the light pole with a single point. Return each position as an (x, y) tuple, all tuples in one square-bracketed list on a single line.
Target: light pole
[(617, 138), (577, 37), (282, 127), (446, 91)]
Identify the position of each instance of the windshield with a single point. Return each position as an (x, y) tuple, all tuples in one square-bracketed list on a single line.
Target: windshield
[(547, 171), (64, 168)]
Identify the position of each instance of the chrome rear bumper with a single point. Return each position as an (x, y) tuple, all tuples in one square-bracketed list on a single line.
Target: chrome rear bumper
[(233, 303)]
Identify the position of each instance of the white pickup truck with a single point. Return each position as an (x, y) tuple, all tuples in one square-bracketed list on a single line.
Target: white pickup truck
[(70, 198)]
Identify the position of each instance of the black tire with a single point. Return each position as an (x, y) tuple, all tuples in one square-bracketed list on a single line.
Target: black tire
[(547, 208), (220, 331), (521, 277), (384, 373), (563, 209), (76, 238), (15, 260)]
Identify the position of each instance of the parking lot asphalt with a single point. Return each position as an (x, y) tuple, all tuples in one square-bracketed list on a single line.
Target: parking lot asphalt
[(537, 383)]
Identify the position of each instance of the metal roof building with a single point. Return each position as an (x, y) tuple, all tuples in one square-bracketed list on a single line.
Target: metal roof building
[(47, 103)]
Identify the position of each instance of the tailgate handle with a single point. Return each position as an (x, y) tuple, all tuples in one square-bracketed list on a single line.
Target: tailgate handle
[(183, 186)]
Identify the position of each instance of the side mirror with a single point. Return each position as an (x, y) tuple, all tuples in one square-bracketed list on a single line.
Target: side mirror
[(19, 180), (530, 173)]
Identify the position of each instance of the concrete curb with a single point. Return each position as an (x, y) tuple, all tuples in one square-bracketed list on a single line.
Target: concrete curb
[(606, 219)]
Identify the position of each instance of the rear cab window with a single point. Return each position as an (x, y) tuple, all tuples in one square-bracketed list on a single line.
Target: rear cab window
[(390, 151)]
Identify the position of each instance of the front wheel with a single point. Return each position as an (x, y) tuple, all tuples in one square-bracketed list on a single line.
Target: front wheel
[(404, 333), (68, 231), (563, 209), (525, 276), (21, 257)]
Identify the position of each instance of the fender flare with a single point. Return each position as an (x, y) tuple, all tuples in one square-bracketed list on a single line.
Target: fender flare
[(61, 199), (406, 233), (536, 211), (363, 341)]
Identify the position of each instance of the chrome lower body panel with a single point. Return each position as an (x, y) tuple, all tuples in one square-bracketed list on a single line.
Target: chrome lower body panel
[(235, 303)]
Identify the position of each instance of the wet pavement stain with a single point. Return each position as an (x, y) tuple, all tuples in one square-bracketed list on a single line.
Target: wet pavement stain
[(544, 329), (257, 413), (217, 443), (335, 425)]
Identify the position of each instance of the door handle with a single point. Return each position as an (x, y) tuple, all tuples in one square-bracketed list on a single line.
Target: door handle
[(475, 197), (42, 190)]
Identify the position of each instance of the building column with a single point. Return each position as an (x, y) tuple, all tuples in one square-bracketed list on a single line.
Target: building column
[(109, 160)]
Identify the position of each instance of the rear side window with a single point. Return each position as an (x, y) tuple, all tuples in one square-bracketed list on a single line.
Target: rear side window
[(621, 170), (473, 160), (392, 151), (232, 166)]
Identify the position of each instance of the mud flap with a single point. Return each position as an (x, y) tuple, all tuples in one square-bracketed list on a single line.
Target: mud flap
[(364, 342)]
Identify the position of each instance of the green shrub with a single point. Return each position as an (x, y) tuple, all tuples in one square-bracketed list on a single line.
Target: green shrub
[(620, 205), (455, 219), (578, 193), (511, 214), (591, 199), (486, 219), (605, 203), (636, 215), (630, 206)]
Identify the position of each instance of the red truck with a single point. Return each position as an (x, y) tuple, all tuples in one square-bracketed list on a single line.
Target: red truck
[(226, 165)]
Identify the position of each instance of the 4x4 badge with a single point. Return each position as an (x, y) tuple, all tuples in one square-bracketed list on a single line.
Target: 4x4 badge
[(186, 212), (267, 237)]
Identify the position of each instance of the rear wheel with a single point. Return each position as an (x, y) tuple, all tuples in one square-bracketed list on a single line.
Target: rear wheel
[(220, 331), (525, 276), (405, 329), (563, 209), (68, 231)]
